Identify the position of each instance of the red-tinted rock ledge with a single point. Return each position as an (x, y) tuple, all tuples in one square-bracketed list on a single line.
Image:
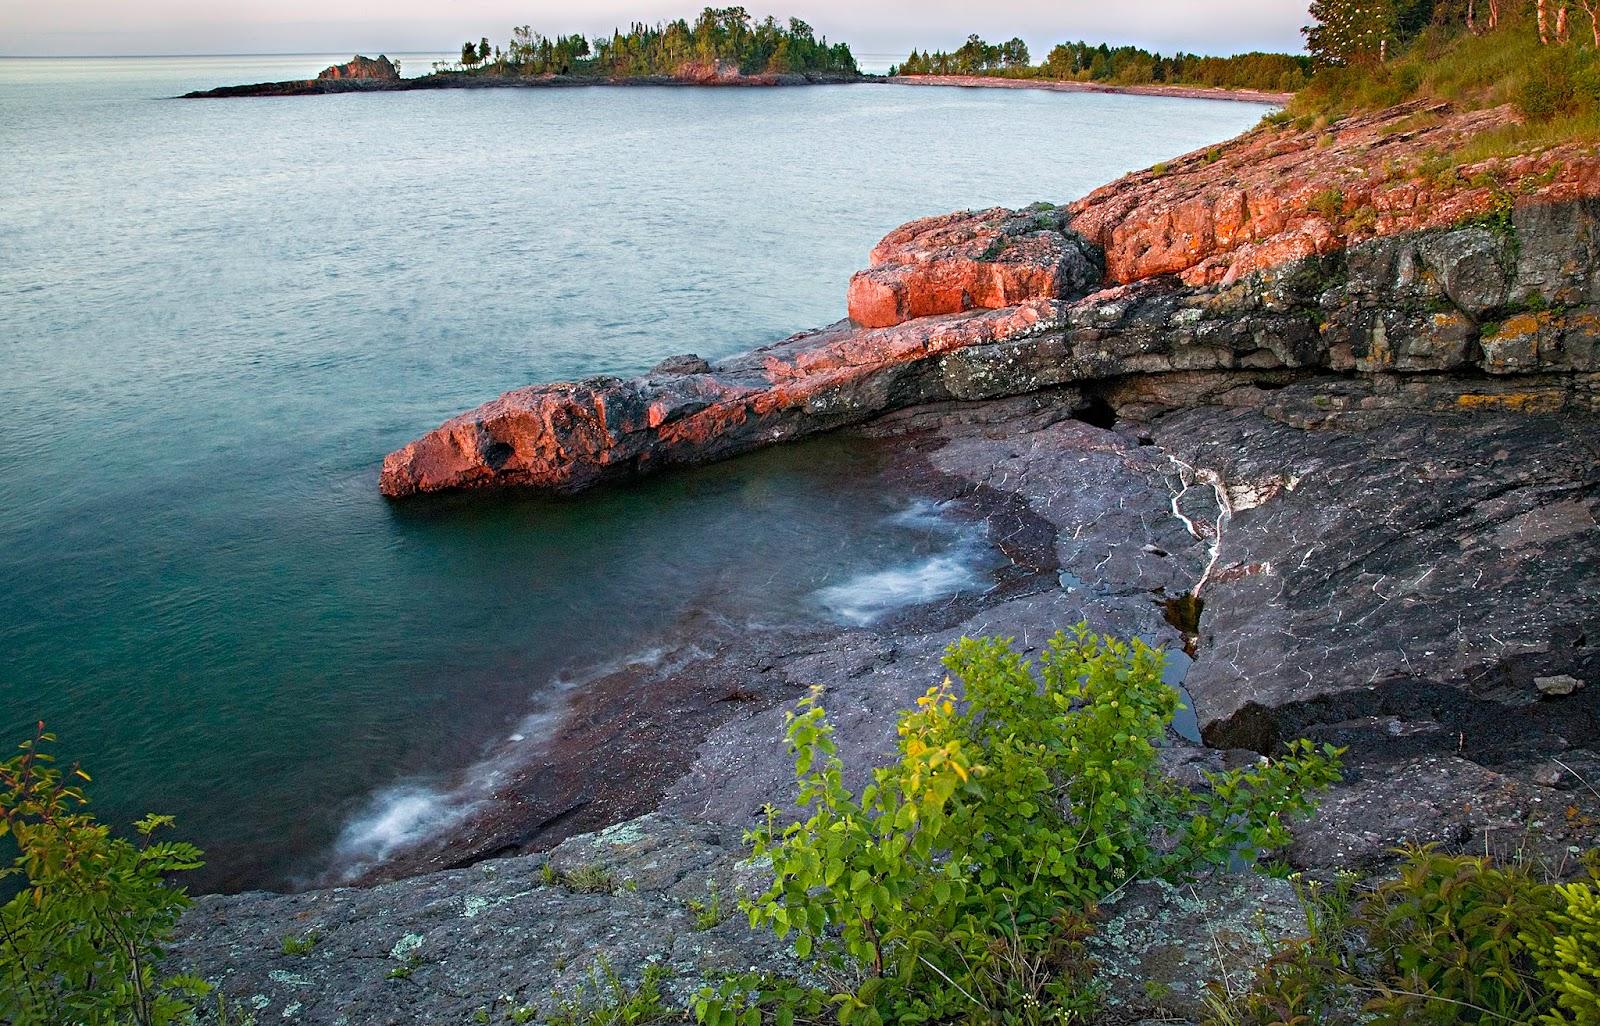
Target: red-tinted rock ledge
[(1356, 249)]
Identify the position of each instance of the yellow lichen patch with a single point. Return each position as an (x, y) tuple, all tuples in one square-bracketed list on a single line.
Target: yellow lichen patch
[(1546, 401), (1521, 324)]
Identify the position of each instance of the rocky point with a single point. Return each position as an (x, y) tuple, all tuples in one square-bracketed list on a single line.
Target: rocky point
[(1276, 251), (1318, 408)]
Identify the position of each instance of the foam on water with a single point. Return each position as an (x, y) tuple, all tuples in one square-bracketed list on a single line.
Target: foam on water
[(400, 817), (869, 596)]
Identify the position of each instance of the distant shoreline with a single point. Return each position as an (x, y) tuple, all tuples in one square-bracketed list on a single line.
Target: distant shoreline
[(459, 80), (1060, 86), (464, 80)]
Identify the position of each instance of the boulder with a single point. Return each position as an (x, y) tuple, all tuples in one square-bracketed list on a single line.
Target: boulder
[(985, 260)]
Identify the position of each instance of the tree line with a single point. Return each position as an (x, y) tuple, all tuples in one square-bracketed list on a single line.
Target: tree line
[(727, 34), (1360, 32), (1121, 65)]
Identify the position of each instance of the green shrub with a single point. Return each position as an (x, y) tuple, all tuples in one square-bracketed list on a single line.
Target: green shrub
[(584, 879), (750, 999), (1329, 203), (605, 1000), (708, 913), (81, 942), (1449, 939), (1556, 88), (960, 881), (300, 944), (1570, 962), (1456, 935)]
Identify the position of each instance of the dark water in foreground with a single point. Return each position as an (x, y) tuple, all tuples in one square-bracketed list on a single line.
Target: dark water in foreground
[(216, 317)]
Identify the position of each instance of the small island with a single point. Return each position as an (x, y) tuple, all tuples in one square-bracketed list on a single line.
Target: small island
[(722, 47)]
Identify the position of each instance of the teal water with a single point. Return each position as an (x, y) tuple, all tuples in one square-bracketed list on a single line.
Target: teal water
[(216, 317)]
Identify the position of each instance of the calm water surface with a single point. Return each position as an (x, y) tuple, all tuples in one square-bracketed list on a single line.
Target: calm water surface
[(216, 317)]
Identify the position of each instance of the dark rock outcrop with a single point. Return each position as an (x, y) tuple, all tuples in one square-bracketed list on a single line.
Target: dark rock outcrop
[(1101, 525)]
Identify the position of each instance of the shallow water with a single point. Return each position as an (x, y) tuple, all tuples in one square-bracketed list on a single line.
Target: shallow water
[(218, 316)]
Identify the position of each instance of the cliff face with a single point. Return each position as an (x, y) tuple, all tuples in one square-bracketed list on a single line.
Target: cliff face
[(1346, 252), (364, 68)]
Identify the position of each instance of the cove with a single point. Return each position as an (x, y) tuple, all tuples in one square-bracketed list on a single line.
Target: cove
[(203, 593)]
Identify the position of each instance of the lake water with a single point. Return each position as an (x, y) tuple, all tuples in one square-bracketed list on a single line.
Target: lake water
[(216, 317)]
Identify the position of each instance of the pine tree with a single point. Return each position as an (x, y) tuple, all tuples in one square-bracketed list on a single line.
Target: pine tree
[(1351, 31)]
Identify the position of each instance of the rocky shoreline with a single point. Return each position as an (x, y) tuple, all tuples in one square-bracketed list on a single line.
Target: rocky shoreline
[(1311, 411), (1057, 86)]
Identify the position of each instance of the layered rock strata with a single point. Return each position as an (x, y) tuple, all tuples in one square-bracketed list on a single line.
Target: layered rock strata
[(1274, 252)]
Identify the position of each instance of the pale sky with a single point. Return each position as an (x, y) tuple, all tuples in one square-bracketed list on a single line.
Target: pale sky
[(82, 27)]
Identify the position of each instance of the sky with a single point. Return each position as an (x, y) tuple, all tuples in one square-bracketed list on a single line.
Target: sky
[(94, 27)]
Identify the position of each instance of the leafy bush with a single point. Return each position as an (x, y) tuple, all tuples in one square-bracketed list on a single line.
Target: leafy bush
[(1450, 939), (959, 883), (606, 1000), (82, 941), (1457, 934), (1571, 961)]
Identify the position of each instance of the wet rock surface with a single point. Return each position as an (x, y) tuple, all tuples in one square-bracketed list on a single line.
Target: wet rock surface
[(1452, 743)]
